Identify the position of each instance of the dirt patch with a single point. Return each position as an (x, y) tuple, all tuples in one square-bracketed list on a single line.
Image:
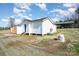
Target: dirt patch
[(10, 35), (2, 53), (55, 47), (21, 42), (29, 40), (15, 44)]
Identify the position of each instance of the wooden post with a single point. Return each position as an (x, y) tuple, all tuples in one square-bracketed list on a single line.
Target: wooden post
[(42, 34)]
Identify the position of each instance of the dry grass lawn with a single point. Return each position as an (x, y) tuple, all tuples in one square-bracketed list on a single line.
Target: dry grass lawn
[(35, 45)]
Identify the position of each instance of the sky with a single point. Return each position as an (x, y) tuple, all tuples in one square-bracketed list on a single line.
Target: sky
[(32, 11)]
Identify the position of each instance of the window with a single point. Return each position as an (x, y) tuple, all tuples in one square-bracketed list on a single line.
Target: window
[(36, 26)]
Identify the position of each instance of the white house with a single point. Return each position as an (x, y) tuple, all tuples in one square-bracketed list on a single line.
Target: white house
[(39, 26)]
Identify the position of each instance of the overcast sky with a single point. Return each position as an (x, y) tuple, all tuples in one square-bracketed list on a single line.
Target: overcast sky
[(57, 11)]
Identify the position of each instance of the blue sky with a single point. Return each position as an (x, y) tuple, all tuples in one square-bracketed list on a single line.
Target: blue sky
[(57, 11)]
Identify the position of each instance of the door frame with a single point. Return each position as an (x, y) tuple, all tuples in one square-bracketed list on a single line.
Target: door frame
[(25, 27)]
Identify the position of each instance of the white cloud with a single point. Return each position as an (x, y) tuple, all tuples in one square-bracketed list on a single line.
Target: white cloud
[(17, 21), (30, 15), (5, 20), (16, 11), (23, 6), (69, 5), (56, 10), (66, 12), (72, 10), (11, 16), (55, 19), (27, 17), (43, 6), (60, 12)]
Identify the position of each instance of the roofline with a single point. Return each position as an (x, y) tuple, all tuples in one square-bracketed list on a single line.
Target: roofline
[(51, 20), (35, 19), (41, 19), (70, 22)]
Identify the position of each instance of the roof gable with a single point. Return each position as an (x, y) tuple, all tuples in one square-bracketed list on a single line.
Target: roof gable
[(41, 19)]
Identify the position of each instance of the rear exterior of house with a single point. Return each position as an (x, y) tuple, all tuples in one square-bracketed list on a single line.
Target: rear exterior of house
[(40, 26)]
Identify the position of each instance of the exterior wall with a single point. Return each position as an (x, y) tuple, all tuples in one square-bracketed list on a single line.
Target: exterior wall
[(13, 30), (37, 27), (48, 27), (27, 27), (31, 27), (20, 29)]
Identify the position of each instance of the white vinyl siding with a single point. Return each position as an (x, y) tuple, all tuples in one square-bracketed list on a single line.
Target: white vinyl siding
[(20, 29), (48, 27), (36, 27)]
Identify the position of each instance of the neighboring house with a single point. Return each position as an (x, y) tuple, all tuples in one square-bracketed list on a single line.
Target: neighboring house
[(76, 23), (68, 24), (39, 26)]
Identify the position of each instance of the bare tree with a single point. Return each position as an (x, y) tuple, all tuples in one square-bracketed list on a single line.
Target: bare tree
[(11, 22), (77, 18)]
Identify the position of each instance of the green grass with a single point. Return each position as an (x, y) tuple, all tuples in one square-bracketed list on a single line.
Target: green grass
[(40, 45)]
